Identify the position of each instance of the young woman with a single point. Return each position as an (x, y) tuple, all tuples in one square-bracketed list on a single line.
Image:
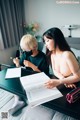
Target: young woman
[(64, 63), (32, 59)]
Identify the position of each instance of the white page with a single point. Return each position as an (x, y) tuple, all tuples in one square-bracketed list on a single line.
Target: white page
[(42, 95), (41, 92), (13, 72), (34, 80), (36, 91)]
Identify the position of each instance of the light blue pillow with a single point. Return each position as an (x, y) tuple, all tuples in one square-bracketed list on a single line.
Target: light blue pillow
[(78, 59), (76, 52)]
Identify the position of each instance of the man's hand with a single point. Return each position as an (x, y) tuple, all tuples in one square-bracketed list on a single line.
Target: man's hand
[(27, 63), (16, 61)]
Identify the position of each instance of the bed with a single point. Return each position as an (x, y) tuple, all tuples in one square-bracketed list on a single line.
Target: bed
[(7, 99)]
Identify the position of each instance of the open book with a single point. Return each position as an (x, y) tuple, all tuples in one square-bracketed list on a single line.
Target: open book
[(36, 92)]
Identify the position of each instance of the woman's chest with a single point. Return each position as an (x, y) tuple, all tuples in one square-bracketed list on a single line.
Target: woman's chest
[(61, 66)]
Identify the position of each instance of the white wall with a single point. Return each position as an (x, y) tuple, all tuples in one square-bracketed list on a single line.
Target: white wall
[(50, 14)]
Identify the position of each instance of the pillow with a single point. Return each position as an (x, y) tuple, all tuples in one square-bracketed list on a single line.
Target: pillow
[(78, 59), (76, 52)]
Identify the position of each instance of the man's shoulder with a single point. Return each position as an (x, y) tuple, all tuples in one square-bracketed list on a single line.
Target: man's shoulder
[(42, 54)]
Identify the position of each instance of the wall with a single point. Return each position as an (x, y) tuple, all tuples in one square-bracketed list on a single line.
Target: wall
[(50, 14)]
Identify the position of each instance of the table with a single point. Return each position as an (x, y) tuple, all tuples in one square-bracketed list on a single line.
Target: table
[(14, 85), (61, 104)]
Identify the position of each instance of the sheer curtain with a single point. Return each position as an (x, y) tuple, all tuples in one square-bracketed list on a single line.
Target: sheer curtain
[(11, 21)]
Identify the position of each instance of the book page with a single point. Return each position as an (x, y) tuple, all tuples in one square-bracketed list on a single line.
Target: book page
[(42, 95), (41, 92), (36, 92), (35, 80), (13, 72)]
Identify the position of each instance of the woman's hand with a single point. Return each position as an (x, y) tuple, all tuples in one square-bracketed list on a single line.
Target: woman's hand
[(16, 61), (70, 85), (52, 83)]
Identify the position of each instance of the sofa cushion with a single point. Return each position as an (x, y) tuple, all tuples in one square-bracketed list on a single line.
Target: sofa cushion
[(76, 52)]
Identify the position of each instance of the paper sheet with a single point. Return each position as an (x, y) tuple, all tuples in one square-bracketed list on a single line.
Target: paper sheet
[(13, 72)]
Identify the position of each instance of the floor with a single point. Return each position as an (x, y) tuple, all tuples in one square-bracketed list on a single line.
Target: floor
[(6, 101)]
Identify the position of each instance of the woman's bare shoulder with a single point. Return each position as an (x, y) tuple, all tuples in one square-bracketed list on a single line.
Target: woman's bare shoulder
[(68, 54), (52, 55)]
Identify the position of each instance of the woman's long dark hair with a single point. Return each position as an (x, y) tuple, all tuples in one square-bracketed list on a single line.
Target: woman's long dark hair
[(59, 40)]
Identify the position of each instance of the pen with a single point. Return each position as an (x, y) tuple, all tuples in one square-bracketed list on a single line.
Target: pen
[(11, 58)]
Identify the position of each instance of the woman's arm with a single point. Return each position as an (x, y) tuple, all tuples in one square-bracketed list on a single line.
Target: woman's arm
[(74, 68), (69, 80)]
